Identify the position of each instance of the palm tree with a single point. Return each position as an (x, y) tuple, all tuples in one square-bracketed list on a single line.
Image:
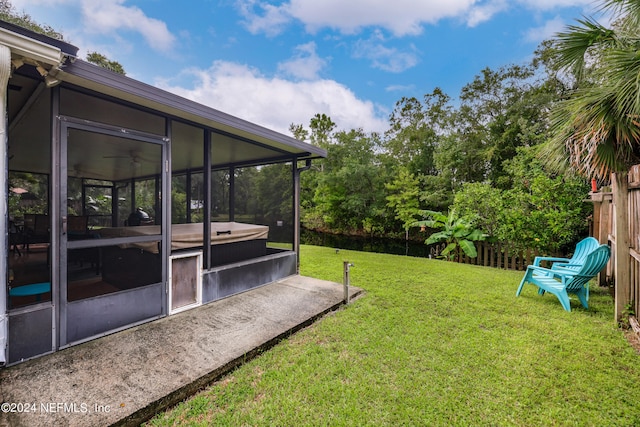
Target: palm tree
[(597, 125), (596, 128)]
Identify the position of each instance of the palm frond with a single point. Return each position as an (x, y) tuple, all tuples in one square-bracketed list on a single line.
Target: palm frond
[(574, 44), (629, 9), (597, 128), (623, 73), (592, 134)]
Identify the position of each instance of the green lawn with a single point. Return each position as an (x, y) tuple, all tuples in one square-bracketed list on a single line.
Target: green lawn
[(432, 343)]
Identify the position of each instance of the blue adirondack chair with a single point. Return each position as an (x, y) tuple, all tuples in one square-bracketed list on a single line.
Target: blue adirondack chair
[(561, 283), (583, 248)]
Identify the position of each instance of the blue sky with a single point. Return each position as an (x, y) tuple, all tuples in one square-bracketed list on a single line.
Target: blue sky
[(280, 62)]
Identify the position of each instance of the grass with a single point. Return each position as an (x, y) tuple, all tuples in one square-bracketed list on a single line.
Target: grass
[(432, 343)]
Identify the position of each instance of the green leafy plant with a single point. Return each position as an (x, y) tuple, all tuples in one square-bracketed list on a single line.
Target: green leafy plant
[(456, 232), (625, 322)]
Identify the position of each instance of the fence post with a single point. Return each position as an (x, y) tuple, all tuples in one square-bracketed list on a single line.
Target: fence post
[(602, 208), (620, 187), (495, 259), (506, 258), (485, 254)]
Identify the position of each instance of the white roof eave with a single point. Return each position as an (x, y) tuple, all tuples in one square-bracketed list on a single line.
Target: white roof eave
[(31, 49)]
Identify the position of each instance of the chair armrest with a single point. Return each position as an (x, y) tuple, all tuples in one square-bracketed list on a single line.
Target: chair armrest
[(564, 266), (538, 259), (562, 275), (538, 269)]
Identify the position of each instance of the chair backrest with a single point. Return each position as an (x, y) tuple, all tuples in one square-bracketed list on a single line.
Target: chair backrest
[(584, 248), (593, 263)]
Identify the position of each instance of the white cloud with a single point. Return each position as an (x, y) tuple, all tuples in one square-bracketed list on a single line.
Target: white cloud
[(385, 58), (108, 17), (546, 31), (274, 102), (555, 4), (19, 5), (305, 65), (485, 12), (401, 17), (270, 21), (400, 88)]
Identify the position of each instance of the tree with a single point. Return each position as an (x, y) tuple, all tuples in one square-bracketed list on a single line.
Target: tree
[(596, 128), (273, 191), (541, 211), (416, 129), (405, 197), (104, 62), (322, 128), (349, 194), (299, 132), (22, 19), (483, 204), (500, 111)]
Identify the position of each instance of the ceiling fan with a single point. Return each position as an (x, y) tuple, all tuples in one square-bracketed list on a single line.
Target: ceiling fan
[(78, 171), (133, 156)]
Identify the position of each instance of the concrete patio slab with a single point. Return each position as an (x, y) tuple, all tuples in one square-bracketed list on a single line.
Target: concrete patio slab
[(127, 377)]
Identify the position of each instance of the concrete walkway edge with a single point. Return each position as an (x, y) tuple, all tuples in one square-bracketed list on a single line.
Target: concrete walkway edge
[(188, 390), (125, 378)]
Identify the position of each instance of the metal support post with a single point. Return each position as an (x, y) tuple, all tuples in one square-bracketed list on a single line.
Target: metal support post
[(345, 280)]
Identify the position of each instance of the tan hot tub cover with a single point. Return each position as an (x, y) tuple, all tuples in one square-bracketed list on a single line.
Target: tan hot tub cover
[(185, 236)]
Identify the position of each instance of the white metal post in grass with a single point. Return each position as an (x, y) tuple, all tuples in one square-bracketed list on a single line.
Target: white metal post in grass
[(345, 280)]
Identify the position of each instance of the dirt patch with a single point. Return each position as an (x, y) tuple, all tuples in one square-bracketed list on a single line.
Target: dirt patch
[(634, 340)]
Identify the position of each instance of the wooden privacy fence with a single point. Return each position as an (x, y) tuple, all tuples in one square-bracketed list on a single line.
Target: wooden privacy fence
[(497, 255), (623, 269)]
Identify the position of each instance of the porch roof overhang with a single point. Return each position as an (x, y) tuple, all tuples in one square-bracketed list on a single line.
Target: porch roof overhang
[(29, 46), (57, 63), (83, 74)]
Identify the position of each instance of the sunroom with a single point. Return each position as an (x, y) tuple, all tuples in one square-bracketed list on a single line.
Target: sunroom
[(126, 203)]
